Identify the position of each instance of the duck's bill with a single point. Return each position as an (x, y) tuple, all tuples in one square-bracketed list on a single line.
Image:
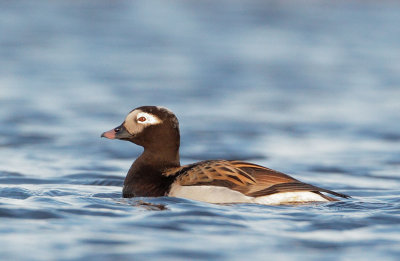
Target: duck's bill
[(109, 134), (120, 133)]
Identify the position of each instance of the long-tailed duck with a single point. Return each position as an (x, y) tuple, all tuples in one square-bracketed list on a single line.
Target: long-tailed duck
[(157, 171)]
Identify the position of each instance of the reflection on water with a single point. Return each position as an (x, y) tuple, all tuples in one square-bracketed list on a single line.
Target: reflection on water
[(311, 89)]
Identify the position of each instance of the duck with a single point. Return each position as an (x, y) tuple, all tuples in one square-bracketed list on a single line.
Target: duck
[(157, 172)]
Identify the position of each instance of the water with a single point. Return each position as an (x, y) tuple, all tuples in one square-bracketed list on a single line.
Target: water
[(308, 88)]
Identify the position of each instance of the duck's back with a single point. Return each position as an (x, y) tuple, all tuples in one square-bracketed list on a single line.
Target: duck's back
[(221, 181)]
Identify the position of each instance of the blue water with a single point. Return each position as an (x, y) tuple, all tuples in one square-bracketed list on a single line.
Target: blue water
[(310, 88)]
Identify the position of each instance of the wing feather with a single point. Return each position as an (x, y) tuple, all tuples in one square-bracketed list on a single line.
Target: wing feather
[(250, 179)]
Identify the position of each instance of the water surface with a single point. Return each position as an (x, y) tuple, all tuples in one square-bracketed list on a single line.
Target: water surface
[(308, 88)]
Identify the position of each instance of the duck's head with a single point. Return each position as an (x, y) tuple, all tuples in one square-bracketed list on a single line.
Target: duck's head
[(152, 127)]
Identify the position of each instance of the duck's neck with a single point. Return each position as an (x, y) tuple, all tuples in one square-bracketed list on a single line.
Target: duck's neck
[(145, 177), (160, 158)]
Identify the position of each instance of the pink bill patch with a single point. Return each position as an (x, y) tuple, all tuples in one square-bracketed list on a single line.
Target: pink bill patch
[(109, 134)]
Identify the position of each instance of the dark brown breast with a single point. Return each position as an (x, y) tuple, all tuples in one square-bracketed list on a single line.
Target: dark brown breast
[(146, 181)]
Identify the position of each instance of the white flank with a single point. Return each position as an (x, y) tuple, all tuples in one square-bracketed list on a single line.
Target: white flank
[(289, 197), (211, 194), (214, 194)]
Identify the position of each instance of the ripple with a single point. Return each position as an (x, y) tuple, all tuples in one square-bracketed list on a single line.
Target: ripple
[(210, 155), (16, 193), (92, 241), (328, 169), (342, 225), (384, 135), (100, 168), (7, 174), (192, 254), (57, 193), (383, 219), (94, 179), (107, 195), (27, 180), (48, 202), (26, 139), (89, 176), (247, 81), (393, 162), (27, 214), (86, 212)]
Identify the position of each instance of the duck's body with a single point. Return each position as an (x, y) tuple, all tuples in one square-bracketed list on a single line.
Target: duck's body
[(157, 172)]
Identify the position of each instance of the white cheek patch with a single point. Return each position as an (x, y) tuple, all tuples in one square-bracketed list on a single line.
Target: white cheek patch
[(134, 126), (150, 119)]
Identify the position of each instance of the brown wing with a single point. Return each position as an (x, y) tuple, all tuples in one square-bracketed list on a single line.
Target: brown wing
[(247, 178)]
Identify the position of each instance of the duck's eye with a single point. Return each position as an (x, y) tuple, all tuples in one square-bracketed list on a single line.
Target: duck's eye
[(117, 129), (142, 119)]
